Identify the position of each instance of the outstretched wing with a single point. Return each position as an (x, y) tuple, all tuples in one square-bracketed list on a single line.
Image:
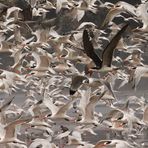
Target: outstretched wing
[(89, 50), (108, 51)]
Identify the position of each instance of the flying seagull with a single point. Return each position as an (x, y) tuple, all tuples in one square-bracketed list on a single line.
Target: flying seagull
[(107, 53), (5, 105)]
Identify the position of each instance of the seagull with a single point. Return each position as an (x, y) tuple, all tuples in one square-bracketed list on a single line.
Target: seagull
[(57, 41), (111, 15), (127, 114), (18, 57), (140, 71), (113, 143), (39, 124), (117, 9), (9, 80), (42, 64), (119, 126), (10, 132), (41, 35), (139, 13), (105, 63), (83, 6), (58, 112), (113, 115), (87, 106), (74, 137), (135, 59), (52, 57)]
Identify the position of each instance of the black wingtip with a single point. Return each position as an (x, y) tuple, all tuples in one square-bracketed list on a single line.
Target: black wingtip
[(85, 35), (72, 92), (39, 102)]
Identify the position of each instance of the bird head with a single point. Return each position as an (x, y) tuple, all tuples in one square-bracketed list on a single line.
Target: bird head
[(103, 144)]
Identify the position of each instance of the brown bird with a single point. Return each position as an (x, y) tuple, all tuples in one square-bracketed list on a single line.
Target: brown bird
[(107, 55)]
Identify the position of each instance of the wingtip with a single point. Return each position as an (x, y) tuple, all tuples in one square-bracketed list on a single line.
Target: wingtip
[(85, 37), (72, 92), (40, 102), (85, 33)]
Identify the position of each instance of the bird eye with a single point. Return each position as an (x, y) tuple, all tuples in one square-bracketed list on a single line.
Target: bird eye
[(86, 81), (76, 5), (118, 5), (119, 118), (108, 142), (79, 119), (49, 115), (124, 123), (66, 119), (39, 146)]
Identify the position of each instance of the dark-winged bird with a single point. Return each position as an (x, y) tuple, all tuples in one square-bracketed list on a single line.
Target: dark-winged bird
[(107, 55)]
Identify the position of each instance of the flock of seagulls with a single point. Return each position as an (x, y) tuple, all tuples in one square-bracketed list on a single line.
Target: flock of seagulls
[(66, 65)]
